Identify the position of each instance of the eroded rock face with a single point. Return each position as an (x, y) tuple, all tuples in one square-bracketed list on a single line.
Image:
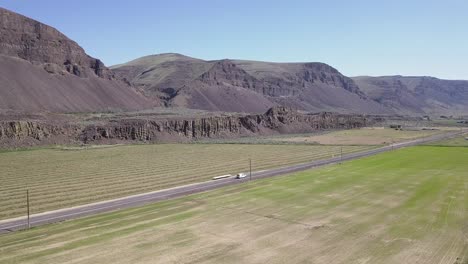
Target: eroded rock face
[(31, 133), (225, 72), (146, 130), (278, 120), (297, 78), (320, 72), (38, 43), (301, 77)]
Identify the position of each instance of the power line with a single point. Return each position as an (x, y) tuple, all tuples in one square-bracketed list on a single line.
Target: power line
[(341, 154)]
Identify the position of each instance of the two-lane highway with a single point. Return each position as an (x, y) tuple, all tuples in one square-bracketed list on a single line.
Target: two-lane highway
[(10, 225)]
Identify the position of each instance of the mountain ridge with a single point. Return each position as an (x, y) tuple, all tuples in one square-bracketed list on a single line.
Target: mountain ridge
[(417, 94), (43, 70), (304, 86)]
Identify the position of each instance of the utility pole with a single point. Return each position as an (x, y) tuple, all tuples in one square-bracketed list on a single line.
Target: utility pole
[(27, 204), (250, 170), (341, 154)]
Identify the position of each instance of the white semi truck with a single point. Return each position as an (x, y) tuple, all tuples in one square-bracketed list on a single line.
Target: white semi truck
[(238, 176)]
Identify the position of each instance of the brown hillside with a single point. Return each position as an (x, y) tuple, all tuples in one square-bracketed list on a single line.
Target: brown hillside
[(246, 86), (417, 95), (43, 70)]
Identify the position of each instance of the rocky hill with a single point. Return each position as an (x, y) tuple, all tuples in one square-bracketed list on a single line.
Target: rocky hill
[(245, 86), (43, 70), (417, 95), (253, 86), (310, 86)]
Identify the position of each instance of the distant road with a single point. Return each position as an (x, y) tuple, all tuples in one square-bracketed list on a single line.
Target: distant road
[(10, 225)]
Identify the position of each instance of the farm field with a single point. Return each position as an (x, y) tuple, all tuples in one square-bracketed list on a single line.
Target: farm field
[(61, 178), (461, 141), (405, 206), (365, 136)]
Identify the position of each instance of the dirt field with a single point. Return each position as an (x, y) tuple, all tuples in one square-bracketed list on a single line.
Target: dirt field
[(407, 206), (461, 141), (364, 136), (59, 178)]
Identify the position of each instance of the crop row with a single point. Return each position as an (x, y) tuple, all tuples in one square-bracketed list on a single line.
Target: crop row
[(59, 179)]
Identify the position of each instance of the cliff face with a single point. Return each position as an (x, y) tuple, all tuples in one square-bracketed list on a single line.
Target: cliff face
[(31, 133), (292, 79), (150, 130), (278, 120), (33, 41), (225, 72)]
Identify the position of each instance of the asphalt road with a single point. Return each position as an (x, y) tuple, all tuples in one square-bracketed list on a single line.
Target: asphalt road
[(138, 200)]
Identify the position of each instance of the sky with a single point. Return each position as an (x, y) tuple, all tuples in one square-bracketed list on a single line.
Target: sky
[(358, 37)]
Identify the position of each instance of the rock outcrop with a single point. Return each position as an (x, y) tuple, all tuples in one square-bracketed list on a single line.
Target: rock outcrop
[(31, 133), (225, 72), (278, 120)]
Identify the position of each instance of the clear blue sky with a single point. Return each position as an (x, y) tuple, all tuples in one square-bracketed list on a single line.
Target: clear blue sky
[(359, 37)]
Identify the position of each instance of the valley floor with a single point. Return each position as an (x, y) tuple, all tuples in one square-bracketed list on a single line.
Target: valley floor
[(404, 206), (69, 176)]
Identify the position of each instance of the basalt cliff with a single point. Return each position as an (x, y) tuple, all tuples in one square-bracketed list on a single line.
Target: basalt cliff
[(277, 120)]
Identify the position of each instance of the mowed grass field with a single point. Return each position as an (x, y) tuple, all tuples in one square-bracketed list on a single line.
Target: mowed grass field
[(60, 178), (405, 206)]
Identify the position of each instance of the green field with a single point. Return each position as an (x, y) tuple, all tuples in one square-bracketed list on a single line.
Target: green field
[(60, 178), (405, 206)]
